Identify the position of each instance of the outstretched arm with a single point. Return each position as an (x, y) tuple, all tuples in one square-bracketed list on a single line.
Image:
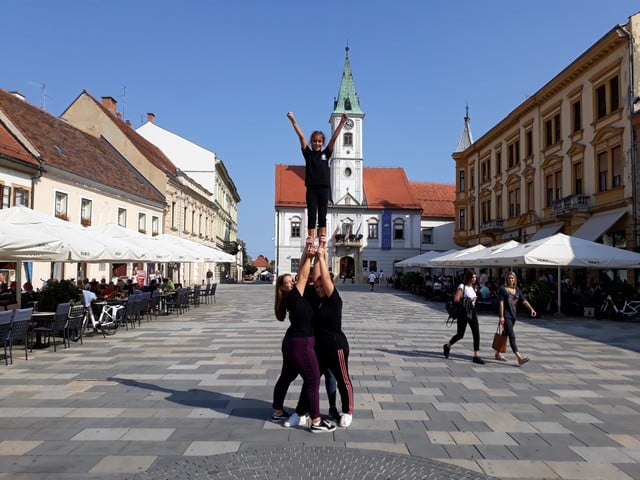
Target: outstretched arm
[(305, 268), (325, 276), (336, 132), (296, 127)]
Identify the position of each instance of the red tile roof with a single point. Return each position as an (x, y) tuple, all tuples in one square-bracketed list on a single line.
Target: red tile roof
[(69, 149), (144, 146), (13, 149), (260, 262), (437, 199), (383, 187)]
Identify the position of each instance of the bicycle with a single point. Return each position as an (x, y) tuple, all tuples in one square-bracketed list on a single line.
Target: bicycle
[(609, 309), (108, 322)]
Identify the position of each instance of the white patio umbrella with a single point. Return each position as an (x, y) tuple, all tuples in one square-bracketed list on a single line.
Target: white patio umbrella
[(20, 242), (483, 256), (452, 259), (150, 250), (196, 251), (562, 250)]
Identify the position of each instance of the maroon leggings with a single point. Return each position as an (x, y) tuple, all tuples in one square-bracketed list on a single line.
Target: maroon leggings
[(299, 358)]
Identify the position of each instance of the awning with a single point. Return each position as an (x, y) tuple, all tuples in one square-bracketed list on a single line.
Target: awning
[(547, 231), (598, 224)]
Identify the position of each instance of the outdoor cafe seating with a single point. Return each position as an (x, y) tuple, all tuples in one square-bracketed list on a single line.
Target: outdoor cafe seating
[(54, 326)]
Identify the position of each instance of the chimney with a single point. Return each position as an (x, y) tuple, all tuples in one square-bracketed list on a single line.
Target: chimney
[(19, 95), (119, 115), (151, 117), (128, 122), (109, 103)]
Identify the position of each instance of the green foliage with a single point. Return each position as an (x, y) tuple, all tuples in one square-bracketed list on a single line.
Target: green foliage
[(410, 280), (60, 292), (539, 295)]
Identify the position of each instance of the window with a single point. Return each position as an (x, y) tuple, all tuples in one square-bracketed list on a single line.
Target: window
[(472, 179), (122, 217), (373, 230), (607, 97), (616, 167), (603, 171), (62, 205), (577, 178), (513, 152), (552, 132), (365, 265), (558, 184), (427, 235), (514, 203), (498, 161), (485, 210), (548, 185), (499, 206), (398, 229), (86, 206), (184, 219), (142, 223), (373, 266), (472, 217), (295, 229), (6, 196), (461, 221), (155, 226), (529, 143), (347, 139), (295, 265), (461, 181), (20, 196), (485, 170), (576, 112), (530, 197)]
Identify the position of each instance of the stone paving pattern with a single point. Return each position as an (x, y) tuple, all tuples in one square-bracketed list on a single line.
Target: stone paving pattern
[(190, 397)]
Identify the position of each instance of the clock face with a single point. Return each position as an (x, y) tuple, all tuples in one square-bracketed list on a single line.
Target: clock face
[(348, 124)]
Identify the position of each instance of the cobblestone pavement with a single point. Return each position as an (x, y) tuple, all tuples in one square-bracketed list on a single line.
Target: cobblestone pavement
[(189, 397)]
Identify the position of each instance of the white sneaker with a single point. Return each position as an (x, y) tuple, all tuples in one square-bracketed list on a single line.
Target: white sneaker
[(294, 420), (345, 419)]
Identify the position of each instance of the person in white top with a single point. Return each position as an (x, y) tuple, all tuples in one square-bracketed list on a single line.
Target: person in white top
[(372, 280), (466, 294)]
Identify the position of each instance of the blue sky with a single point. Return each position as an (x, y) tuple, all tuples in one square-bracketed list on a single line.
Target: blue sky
[(223, 74)]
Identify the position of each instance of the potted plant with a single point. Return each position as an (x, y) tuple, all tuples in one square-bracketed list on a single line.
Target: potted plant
[(86, 222), (59, 292), (62, 216), (539, 296)]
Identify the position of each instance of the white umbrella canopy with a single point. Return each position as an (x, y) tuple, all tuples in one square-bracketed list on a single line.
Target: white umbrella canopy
[(20, 242), (196, 251), (148, 248), (452, 259), (81, 244), (483, 256), (564, 251), (423, 259)]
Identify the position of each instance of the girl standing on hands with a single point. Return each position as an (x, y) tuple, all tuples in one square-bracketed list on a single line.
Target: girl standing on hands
[(298, 354), (467, 291), (317, 177), (508, 297)]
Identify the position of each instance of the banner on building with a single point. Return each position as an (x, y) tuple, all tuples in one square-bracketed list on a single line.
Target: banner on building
[(386, 230)]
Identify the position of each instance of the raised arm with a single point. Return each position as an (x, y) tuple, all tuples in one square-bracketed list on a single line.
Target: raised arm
[(325, 276), (336, 132), (298, 130), (305, 268)]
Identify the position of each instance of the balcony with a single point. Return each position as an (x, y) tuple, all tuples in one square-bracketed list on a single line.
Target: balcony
[(570, 204), (351, 241), (493, 227)]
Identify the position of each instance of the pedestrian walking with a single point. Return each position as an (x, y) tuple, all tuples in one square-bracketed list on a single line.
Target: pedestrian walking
[(509, 295), (466, 294)]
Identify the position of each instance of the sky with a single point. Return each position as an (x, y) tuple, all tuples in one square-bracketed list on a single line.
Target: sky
[(223, 74)]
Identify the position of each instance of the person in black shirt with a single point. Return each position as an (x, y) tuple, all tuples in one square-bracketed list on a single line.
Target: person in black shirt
[(509, 296), (317, 177), (298, 354), (332, 347)]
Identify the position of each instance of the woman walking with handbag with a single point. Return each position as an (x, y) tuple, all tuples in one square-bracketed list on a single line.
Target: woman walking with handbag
[(466, 294), (508, 297)]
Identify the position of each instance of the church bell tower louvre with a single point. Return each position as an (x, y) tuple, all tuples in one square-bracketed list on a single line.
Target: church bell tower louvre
[(346, 162)]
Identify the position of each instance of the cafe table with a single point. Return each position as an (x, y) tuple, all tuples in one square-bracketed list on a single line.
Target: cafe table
[(39, 319)]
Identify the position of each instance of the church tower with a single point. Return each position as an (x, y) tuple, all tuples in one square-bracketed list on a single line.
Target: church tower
[(346, 163)]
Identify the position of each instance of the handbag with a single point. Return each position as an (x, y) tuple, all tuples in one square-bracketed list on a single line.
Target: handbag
[(500, 340)]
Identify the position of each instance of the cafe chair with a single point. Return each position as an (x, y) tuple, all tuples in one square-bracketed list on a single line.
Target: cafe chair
[(5, 329), (20, 330), (73, 328), (57, 325)]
